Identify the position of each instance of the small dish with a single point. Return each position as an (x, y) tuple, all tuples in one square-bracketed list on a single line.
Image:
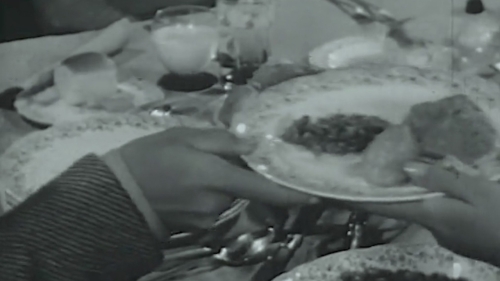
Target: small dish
[(352, 50)]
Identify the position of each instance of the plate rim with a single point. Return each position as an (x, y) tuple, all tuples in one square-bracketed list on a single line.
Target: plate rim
[(343, 197), (41, 118)]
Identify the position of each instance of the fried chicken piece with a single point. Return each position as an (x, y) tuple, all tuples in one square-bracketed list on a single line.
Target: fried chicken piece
[(384, 158), (452, 126)]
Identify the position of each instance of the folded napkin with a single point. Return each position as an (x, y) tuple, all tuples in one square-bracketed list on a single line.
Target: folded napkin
[(26, 62)]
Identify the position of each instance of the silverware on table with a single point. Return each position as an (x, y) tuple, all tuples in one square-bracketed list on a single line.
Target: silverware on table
[(259, 249), (356, 229), (246, 249), (366, 13), (183, 103)]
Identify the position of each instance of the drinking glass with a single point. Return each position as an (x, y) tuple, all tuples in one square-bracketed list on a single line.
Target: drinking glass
[(186, 38), (245, 28)]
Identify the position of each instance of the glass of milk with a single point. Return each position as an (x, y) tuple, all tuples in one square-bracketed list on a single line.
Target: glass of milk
[(247, 24), (186, 38)]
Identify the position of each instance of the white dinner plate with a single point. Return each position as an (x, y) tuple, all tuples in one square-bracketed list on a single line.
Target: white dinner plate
[(427, 259), (354, 49), (386, 92), (357, 50)]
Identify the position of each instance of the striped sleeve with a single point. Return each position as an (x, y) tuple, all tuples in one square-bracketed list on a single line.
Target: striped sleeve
[(114, 161), (81, 226)]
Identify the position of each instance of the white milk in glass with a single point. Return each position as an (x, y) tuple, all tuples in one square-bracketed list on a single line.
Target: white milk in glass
[(249, 25), (186, 49)]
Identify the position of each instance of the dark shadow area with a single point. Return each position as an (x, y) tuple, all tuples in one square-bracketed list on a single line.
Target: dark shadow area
[(17, 20), (190, 83), (8, 97), (20, 19)]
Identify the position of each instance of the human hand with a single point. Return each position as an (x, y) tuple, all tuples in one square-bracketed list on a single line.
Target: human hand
[(186, 177), (464, 221)]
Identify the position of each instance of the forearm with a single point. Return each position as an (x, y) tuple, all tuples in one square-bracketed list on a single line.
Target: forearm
[(81, 226)]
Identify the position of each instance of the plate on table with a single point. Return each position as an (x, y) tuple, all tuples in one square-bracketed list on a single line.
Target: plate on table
[(85, 85), (410, 260), (377, 97), (42, 103), (352, 50), (38, 157), (357, 50)]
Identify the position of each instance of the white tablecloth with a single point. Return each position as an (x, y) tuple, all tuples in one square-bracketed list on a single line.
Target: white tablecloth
[(300, 26)]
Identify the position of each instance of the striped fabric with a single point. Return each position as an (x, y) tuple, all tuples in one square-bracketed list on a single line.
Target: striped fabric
[(81, 226)]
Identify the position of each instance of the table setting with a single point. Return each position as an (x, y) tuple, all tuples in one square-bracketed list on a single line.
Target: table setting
[(257, 69)]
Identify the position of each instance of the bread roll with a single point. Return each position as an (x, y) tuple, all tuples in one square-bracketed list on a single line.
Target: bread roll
[(384, 158), (86, 79)]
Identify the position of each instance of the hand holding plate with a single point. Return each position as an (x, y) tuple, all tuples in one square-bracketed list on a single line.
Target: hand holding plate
[(186, 177), (465, 220)]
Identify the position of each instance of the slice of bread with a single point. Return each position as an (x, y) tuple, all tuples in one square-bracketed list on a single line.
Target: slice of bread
[(86, 79)]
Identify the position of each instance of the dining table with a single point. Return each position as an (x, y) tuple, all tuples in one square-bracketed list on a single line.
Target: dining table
[(299, 27)]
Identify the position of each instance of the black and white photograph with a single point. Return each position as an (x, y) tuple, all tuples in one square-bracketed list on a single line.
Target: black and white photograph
[(249, 140)]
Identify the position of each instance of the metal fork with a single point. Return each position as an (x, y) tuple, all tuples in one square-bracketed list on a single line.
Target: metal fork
[(366, 13), (362, 12)]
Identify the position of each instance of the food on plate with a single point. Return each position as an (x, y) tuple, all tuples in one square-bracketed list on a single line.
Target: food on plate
[(383, 160), (452, 126), (338, 134), (399, 275), (85, 79), (51, 104), (90, 80), (385, 148)]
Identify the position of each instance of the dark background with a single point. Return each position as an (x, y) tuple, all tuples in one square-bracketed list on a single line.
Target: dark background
[(17, 20), (20, 19)]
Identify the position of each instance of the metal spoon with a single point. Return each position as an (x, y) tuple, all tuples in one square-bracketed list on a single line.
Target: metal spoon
[(249, 252), (247, 248), (261, 250)]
